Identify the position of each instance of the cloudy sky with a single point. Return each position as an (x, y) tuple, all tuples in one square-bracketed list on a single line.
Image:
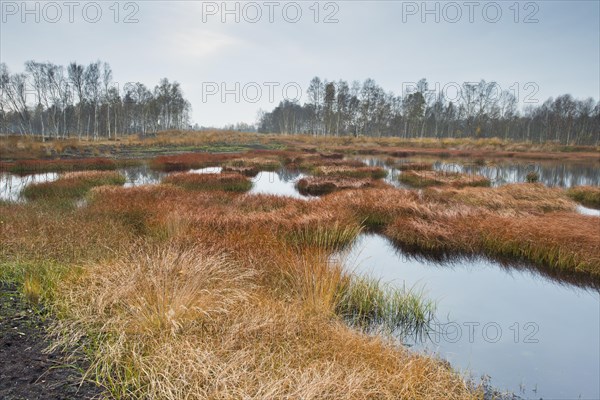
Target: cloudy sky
[(233, 58)]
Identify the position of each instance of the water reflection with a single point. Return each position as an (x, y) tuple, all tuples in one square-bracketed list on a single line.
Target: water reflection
[(588, 211), (526, 331), (12, 185), (141, 175), (555, 174), (282, 183)]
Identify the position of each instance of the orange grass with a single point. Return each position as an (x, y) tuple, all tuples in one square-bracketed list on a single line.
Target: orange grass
[(71, 185), (377, 207), (558, 241), (38, 166), (414, 166), (523, 197), (263, 163), (320, 185), (421, 179), (184, 162), (350, 172), (229, 182)]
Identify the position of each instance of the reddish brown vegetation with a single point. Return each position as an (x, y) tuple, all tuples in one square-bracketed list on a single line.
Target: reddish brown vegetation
[(318, 186), (229, 182), (350, 172), (519, 197), (420, 179), (184, 162), (414, 166), (35, 166)]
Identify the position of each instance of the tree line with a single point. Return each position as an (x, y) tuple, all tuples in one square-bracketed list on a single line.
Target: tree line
[(477, 110), (54, 101)]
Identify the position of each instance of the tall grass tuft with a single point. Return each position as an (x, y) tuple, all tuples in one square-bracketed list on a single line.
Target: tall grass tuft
[(589, 196), (332, 237), (369, 304)]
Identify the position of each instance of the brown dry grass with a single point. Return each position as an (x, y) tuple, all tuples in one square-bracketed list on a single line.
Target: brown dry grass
[(38, 166), (184, 162), (419, 179), (414, 166), (520, 197), (320, 185), (589, 196), (563, 242), (378, 207), (18, 147), (350, 172), (229, 182), (185, 323), (71, 185)]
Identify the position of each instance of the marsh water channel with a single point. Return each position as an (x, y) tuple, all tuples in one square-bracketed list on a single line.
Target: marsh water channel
[(536, 335)]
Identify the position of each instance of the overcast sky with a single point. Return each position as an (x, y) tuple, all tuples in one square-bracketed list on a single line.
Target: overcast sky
[(541, 49)]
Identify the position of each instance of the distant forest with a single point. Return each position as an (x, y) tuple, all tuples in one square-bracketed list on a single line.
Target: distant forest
[(480, 110), (78, 100), (54, 101)]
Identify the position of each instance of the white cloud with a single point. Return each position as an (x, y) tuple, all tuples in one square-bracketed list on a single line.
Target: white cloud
[(198, 43)]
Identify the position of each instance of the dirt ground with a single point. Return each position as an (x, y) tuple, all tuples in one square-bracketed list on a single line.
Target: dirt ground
[(26, 370)]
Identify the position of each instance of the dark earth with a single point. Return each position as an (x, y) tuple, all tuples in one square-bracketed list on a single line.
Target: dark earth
[(27, 371)]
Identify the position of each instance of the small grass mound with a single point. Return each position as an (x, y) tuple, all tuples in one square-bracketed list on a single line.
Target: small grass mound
[(184, 162), (589, 196), (414, 166), (557, 241), (350, 172), (87, 164), (520, 197), (377, 207), (318, 186), (229, 182), (258, 163), (71, 185), (242, 170), (310, 162), (423, 179)]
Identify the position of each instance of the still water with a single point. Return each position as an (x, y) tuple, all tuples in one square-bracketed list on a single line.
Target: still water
[(282, 182), (554, 174), (534, 336)]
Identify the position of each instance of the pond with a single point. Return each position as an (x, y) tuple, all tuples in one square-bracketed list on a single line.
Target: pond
[(554, 174), (533, 335), (281, 182)]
